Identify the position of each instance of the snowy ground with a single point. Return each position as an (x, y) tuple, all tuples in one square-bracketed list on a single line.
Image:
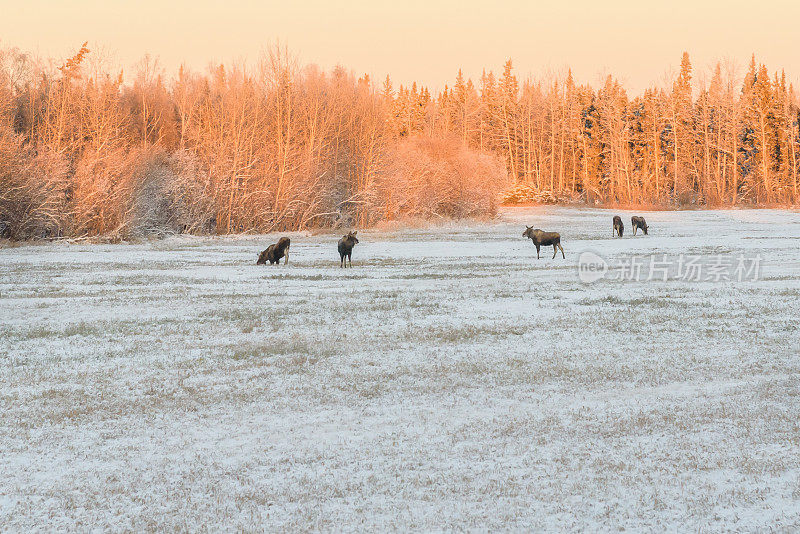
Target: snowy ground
[(450, 380)]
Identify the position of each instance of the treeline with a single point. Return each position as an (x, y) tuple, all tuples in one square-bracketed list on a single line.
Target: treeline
[(725, 142), (280, 147), (272, 148)]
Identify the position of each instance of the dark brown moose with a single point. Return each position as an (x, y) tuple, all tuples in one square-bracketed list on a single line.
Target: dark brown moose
[(346, 244), (540, 238), (640, 223), (275, 252), (617, 226)]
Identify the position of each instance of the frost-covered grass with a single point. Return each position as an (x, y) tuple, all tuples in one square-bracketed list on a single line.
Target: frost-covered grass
[(448, 381)]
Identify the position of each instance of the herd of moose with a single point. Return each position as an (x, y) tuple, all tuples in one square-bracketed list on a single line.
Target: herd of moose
[(276, 251)]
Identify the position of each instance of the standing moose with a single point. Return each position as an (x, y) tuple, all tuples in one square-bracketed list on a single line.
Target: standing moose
[(275, 252), (346, 244), (617, 226), (540, 238), (638, 222)]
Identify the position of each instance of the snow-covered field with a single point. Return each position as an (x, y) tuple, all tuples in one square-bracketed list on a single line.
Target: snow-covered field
[(450, 380)]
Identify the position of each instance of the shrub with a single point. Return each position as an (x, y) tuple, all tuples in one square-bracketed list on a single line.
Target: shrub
[(33, 190), (435, 177), (525, 193)]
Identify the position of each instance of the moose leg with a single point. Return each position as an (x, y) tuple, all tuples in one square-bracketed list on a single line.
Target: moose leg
[(350, 258), (537, 252), (562, 251), (555, 249), (341, 261), (286, 261)]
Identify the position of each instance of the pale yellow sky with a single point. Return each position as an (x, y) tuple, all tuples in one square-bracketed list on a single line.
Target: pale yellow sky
[(428, 41)]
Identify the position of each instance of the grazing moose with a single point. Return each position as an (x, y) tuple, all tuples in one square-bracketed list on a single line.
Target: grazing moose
[(638, 222), (540, 238), (617, 226), (275, 252), (346, 244)]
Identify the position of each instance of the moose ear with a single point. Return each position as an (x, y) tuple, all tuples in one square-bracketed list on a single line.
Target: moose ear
[(529, 227), (355, 232)]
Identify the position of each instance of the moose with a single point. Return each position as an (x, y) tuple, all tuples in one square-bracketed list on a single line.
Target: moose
[(275, 252), (540, 238), (346, 244), (617, 226), (638, 222)]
